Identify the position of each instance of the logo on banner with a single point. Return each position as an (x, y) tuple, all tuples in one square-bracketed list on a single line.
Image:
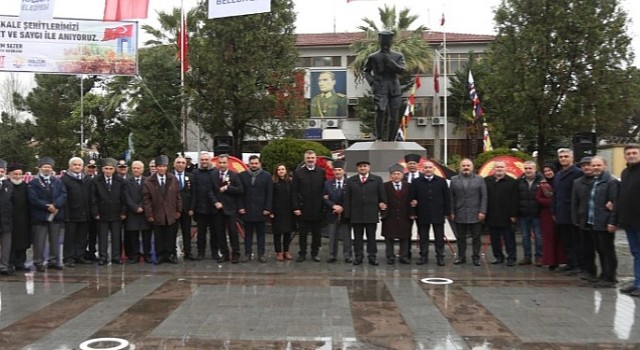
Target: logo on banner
[(118, 32)]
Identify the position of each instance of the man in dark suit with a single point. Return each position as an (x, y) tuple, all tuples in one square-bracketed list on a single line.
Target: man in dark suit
[(412, 160), (162, 207), (431, 199), (502, 212), (308, 184), (136, 224), (77, 212), (365, 198), (6, 222), (108, 208), (226, 197), (47, 197), (184, 183), (256, 206), (338, 228), (382, 70), (396, 224), (200, 206), (90, 171)]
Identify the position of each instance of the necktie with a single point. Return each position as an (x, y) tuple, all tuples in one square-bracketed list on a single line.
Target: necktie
[(79, 177), (138, 181), (339, 184), (109, 183), (180, 180), (411, 177), (363, 179), (162, 182), (397, 187)]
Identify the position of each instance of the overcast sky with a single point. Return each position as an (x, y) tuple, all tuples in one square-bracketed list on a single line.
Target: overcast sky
[(322, 16)]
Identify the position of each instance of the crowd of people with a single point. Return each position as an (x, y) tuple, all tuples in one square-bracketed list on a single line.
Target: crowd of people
[(567, 214)]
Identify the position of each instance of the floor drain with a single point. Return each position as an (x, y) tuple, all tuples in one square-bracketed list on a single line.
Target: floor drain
[(121, 344), (436, 280)]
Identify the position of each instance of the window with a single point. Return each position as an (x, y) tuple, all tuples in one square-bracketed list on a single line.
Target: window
[(320, 61)]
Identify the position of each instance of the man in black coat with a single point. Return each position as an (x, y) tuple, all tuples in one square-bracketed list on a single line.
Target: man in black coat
[(308, 184), (502, 210), (337, 227), (21, 234), (365, 198), (579, 206), (200, 206), (529, 213), (431, 199), (226, 197), (77, 213), (561, 210), (6, 219), (109, 209), (136, 224), (184, 183), (90, 172), (629, 212), (255, 207)]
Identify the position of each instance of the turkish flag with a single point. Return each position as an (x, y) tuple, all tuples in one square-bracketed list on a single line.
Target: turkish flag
[(183, 46), (118, 32), (118, 10)]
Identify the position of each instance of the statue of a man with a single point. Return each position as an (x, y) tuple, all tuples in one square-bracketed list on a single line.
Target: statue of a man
[(382, 70)]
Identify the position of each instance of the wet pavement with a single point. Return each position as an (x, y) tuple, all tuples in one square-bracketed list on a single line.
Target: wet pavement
[(311, 305)]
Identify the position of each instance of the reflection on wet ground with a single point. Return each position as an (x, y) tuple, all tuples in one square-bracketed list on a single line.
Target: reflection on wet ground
[(309, 305)]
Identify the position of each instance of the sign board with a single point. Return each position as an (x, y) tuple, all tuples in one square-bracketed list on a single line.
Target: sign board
[(68, 46), (230, 8)]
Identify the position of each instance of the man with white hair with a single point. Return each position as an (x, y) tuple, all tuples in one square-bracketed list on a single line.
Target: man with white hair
[(502, 209), (77, 212)]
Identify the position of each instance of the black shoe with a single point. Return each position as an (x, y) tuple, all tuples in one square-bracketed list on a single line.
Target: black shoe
[(235, 258), (103, 261), (148, 260), (70, 263), (605, 284), (460, 261), (373, 261), (476, 262), (56, 267), (40, 267), (405, 261), (564, 268), (625, 290), (133, 260), (440, 261), (391, 261), (511, 263), (223, 258), (301, 258), (245, 258), (332, 260), (315, 258), (358, 261), (573, 272), (348, 260), (200, 257), (262, 259), (172, 259), (188, 256), (21, 268), (116, 262), (423, 260), (7, 272), (553, 267), (497, 262), (635, 293)]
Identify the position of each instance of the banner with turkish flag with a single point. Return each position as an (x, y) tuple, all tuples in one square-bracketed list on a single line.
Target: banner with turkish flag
[(125, 31), (118, 10)]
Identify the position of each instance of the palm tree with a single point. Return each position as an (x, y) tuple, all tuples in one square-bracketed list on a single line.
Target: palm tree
[(417, 53)]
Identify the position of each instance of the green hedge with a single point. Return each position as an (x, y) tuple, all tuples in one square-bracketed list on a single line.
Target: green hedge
[(290, 152)]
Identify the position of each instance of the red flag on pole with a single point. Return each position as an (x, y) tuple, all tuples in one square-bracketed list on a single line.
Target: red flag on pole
[(118, 10), (125, 31), (442, 20), (436, 77), (183, 45)]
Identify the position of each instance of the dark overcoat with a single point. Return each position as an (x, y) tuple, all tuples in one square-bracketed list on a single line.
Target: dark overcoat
[(231, 199), (502, 203), (362, 199), (133, 199), (396, 223), (333, 196), (78, 206), (109, 204), (201, 187), (563, 189), (307, 187), (21, 237), (258, 196), (161, 204), (39, 197), (282, 211), (433, 197), (6, 211)]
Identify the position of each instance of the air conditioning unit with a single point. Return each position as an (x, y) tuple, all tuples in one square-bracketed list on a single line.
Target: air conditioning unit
[(314, 124), (331, 123), (437, 121), (422, 121)]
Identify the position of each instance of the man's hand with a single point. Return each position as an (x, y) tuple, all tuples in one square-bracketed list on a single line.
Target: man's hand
[(266, 213), (414, 203), (612, 228), (382, 206), (190, 212), (139, 210), (150, 219), (218, 205), (481, 216), (123, 216), (297, 212), (178, 215), (242, 211), (337, 209)]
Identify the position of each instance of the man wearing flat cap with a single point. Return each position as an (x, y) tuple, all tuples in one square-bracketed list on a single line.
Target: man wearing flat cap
[(337, 227), (90, 171), (162, 206), (365, 198), (413, 173), (109, 209), (396, 224), (122, 169), (382, 71), (47, 197)]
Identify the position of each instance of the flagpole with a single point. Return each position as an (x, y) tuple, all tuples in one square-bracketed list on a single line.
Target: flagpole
[(446, 80), (183, 109)]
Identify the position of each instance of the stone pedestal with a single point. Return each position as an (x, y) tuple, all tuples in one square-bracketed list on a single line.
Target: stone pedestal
[(380, 154)]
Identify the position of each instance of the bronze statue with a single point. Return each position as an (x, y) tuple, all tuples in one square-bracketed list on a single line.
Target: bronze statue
[(382, 70)]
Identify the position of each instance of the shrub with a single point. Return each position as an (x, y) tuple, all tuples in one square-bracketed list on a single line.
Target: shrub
[(290, 152)]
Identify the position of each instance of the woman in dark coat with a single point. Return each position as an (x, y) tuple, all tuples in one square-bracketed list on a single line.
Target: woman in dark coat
[(21, 234), (282, 220), (553, 252)]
